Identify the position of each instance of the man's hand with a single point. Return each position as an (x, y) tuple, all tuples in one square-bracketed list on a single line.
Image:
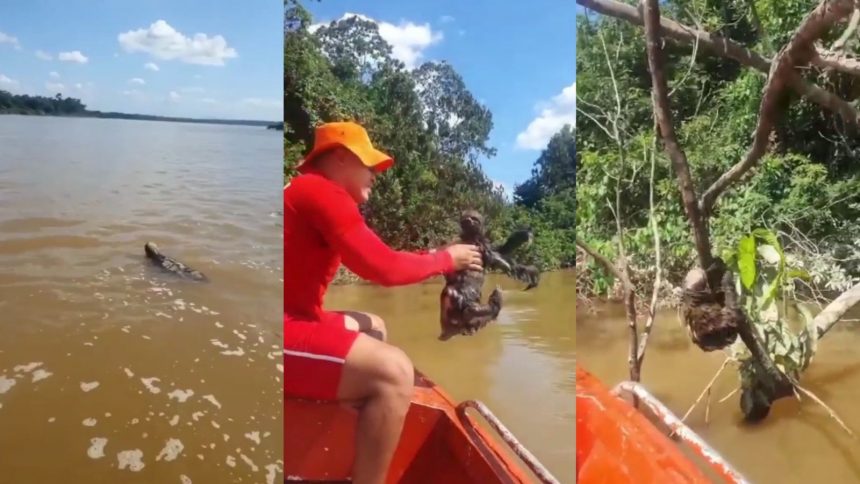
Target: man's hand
[(465, 257)]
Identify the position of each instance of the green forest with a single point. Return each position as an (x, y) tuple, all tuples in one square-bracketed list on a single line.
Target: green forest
[(434, 128), (40, 105), (69, 106), (805, 189)]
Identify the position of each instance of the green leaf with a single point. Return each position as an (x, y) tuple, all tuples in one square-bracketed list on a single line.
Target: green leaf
[(771, 240), (746, 261), (769, 237), (798, 274)]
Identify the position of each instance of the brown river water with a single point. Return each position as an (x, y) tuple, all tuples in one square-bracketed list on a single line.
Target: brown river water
[(797, 443), (521, 367), (111, 370)]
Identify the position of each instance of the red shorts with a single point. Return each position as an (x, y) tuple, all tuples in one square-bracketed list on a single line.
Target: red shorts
[(314, 354)]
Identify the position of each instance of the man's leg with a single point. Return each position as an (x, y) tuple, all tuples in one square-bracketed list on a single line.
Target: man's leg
[(382, 377)]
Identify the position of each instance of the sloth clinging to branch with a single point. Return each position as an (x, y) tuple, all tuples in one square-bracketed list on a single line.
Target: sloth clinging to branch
[(711, 311)]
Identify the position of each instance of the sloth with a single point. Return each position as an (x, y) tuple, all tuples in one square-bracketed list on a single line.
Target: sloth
[(711, 311), (462, 311), (526, 273), (172, 265)]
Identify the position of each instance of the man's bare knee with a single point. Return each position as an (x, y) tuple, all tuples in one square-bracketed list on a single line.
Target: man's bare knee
[(396, 372)]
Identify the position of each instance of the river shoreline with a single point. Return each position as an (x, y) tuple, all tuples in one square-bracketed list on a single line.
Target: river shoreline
[(144, 117)]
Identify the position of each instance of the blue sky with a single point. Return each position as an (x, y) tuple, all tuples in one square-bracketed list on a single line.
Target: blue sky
[(518, 59), (191, 58)]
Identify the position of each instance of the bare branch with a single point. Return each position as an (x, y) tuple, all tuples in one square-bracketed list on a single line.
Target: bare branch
[(660, 99), (832, 413), (836, 309), (603, 261), (707, 388), (849, 31), (655, 291), (837, 61)]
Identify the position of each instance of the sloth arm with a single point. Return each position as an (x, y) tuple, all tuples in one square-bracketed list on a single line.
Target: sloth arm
[(496, 261)]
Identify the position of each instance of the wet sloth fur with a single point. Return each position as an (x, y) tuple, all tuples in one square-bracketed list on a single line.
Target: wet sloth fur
[(711, 312), (462, 311)]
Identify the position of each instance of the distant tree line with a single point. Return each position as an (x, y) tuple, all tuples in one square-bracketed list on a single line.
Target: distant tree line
[(68, 106), (26, 104)]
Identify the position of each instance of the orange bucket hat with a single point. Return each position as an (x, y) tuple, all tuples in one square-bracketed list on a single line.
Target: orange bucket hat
[(351, 136)]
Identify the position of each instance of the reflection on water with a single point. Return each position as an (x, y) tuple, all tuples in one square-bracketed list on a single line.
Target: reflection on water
[(111, 370), (522, 367), (797, 443)]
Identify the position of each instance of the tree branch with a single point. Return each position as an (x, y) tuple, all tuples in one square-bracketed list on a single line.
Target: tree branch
[(603, 261), (836, 309), (837, 61), (798, 51), (746, 331), (729, 49), (655, 291), (629, 303), (660, 99), (849, 31)]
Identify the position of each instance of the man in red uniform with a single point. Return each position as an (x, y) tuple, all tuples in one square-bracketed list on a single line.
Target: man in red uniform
[(331, 355)]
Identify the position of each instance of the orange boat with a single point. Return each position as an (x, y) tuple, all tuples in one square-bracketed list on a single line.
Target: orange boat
[(440, 443), (615, 443)]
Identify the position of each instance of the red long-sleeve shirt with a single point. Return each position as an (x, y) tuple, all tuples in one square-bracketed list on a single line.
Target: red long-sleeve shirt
[(322, 228)]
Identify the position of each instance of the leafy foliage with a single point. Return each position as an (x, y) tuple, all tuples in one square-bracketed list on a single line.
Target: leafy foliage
[(806, 191), (25, 104), (766, 288), (434, 128)]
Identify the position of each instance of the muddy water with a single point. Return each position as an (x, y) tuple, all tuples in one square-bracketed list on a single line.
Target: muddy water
[(110, 370), (522, 367), (797, 443)]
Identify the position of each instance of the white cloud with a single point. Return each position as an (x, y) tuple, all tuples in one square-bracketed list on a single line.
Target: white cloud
[(79, 86), (174, 96), (152, 66), (555, 114), (8, 39), (162, 41), (137, 80), (446, 19), (54, 87), (54, 75), (41, 54), (73, 56), (132, 92), (7, 82), (408, 40)]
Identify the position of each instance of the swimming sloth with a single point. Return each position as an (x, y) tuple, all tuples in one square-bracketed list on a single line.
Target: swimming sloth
[(172, 265)]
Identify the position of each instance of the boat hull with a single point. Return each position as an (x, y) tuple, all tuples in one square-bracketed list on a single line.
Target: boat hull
[(616, 444), (436, 445)]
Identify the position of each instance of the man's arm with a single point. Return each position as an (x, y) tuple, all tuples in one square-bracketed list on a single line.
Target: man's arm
[(364, 253), (336, 216)]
